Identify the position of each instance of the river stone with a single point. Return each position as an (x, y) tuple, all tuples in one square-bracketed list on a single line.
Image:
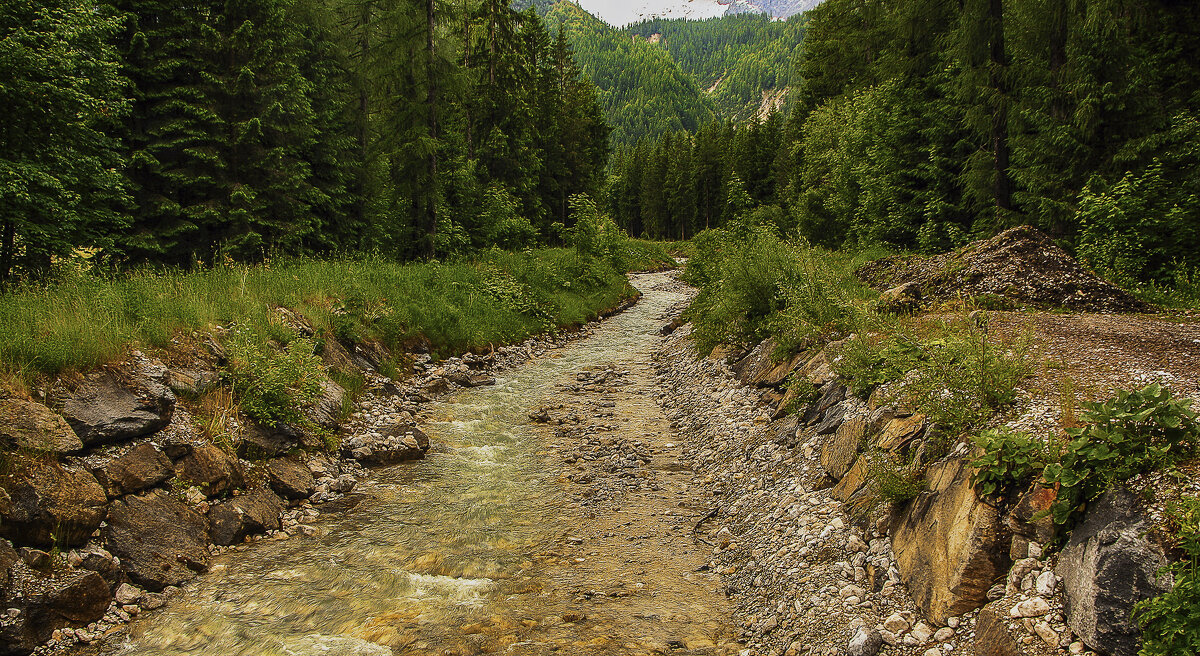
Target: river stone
[(249, 514), (47, 505), (1107, 566), (111, 407), (949, 545), (211, 469), (161, 541), (29, 425), (866, 642), (141, 467), (290, 479)]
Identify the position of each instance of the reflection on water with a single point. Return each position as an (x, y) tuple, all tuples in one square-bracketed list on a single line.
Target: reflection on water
[(441, 557)]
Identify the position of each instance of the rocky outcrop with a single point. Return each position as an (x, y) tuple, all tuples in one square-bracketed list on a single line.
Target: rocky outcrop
[(211, 469), (1107, 566), (950, 546), (901, 299), (33, 426), (111, 406), (161, 541), (139, 468), (232, 521), (48, 505)]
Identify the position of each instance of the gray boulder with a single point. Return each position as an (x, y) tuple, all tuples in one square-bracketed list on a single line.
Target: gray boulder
[(47, 505), (1107, 566), (256, 512), (161, 541), (141, 467), (29, 425), (112, 407), (290, 479), (211, 469), (866, 642)]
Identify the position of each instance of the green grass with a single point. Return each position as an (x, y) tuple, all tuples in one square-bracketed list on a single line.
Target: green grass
[(495, 298)]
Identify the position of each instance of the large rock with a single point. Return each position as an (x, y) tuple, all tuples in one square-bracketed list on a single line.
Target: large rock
[(192, 383), (160, 540), (290, 479), (258, 442), (256, 512), (141, 467), (1107, 566), (211, 469), (993, 637), (29, 425), (950, 546), (44, 604), (326, 411), (842, 448), (47, 505), (112, 406)]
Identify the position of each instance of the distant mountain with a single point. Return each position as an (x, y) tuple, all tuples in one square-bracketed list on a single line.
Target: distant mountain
[(776, 8)]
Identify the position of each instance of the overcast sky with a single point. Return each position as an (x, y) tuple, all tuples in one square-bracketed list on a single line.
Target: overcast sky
[(623, 12)]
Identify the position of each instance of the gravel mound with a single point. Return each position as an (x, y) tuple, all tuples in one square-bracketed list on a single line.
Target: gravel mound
[(1021, 265)]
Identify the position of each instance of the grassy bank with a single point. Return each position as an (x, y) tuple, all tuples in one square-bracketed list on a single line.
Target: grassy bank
[(494, 298)]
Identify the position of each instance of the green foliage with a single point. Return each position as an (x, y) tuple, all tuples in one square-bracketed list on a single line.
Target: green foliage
[(753, 284), (272, 383), (1010, 460), (896, 480), (954, 375), (88, 320), (1171, 622), (1135, 432)]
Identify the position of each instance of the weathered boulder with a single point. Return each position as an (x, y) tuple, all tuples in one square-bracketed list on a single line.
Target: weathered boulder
[(829, 395), (290, 478), (256, 512), (468, 379), (950, 546), (112, 406), (257, 442), (757, 363), (43, 604), (899, 432), (334, 355), (192, 382), (29, 425), (1107, 566), (903, 298), (160, 540), (993, 637), (841, 449), (211, 469), (47, 505), (396, 444), (139, 468), (326, 411)]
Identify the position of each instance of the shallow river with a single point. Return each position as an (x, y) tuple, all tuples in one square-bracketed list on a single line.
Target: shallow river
[(450, 555)]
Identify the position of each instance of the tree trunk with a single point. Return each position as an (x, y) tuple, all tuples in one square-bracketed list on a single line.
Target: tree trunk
[(431, 98)]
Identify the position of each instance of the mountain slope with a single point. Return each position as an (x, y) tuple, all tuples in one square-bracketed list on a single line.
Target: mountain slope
[(776, 8), (642, 89)]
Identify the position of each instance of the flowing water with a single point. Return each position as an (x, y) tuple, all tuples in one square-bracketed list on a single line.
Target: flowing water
[(450, 555)]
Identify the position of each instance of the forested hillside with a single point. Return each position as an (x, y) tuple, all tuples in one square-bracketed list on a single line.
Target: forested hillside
[(642, 89), (150, 132), (740, 60), (921, 125)]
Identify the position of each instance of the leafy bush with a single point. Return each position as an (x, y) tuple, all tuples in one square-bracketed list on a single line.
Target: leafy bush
[(272, 383), (1171, 622), (1135, 432), (954, 374), (896, 479), (1010, 460)]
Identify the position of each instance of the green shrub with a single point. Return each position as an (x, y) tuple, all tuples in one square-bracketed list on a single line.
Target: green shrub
[(897, 480), (1134, 432), (1171, 622), (272, 383), (1010, 460)]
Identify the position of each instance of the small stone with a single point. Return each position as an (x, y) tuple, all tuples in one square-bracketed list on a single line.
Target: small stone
[(953, 622), (896, 623), (1046, 582), (922, 632), (866, 642), (1043, 630), (127, 594), (1076, 647), (1033, 607), (933, 651), (153, 600), (943, 634)]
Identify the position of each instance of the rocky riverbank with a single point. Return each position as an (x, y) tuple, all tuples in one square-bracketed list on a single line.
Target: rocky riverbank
[(115, 495), (817, 564)]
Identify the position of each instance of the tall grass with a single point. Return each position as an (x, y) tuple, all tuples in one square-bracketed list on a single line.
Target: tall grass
[(498, 297)]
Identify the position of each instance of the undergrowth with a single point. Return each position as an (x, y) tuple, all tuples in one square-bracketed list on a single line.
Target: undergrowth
[(1171, 622), (86, 319)]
